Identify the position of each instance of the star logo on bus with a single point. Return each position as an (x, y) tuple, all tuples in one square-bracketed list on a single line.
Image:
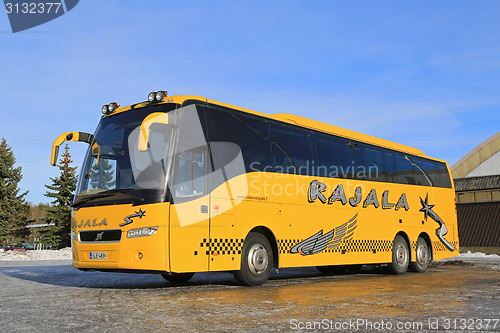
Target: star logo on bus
[(129, 218), (442, 230), (426, 208)]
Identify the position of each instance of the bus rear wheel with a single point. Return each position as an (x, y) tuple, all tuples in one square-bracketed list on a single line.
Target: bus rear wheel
[(400, 256), (422, 258), (178, 277), (256, 261)]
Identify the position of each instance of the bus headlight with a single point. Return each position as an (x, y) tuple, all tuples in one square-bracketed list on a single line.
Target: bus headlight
[(152, 96), (142, 232)]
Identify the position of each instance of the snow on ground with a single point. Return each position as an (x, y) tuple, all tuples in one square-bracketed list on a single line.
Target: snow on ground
[(62, 254), (469, 254)]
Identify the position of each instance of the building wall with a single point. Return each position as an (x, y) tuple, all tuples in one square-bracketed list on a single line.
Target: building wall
[(479, 224), (489, 167)]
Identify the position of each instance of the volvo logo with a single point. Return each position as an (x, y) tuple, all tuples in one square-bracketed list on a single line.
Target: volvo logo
[(99, 236)]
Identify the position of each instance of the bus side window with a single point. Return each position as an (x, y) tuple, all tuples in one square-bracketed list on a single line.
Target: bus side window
[(189, 173), (335, 158), (293, 150), (248, 133), (401, 169), (436, 171), (371, 163)]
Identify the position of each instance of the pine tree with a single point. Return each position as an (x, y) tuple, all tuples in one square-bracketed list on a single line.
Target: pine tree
[(13, 206), (102, 175), (59, 211)]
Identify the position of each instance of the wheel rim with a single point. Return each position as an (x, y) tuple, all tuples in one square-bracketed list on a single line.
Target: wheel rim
[(257, 259), (401, 255), (422, 255)]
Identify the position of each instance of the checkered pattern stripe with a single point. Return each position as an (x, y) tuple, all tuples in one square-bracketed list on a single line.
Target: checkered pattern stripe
[(285, 245), (221, 246), (368, 245), (438, 246)]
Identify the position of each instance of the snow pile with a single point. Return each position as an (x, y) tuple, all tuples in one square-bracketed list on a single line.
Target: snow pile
[(469, 254), (62, 254)]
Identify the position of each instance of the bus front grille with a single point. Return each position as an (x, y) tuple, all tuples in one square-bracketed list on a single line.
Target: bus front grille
[(100, 236)]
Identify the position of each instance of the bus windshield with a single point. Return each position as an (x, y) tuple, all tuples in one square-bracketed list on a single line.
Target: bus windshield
[(118, 171)]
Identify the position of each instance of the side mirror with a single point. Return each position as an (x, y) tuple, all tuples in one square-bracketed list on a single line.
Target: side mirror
[(73, 136), (153, 118)]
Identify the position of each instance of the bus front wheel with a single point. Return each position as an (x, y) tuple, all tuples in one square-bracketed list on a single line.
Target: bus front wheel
[(422, 258), (400, 256), (256, 261), (177, 277)]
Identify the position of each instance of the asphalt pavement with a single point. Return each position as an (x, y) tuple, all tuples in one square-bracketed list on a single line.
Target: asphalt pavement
[(52, 296)]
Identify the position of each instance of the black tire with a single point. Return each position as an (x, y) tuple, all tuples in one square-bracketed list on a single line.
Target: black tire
[(422, 257), (178, 277), (400, 256), (256, 261)]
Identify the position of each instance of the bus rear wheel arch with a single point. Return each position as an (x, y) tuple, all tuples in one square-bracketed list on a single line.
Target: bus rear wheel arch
[(256, 260)]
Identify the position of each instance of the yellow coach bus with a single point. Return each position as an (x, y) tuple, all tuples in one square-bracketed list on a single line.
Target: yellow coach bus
[(183, 184)]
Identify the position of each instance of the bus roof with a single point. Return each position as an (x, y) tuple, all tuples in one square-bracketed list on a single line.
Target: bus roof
[(291, 119)]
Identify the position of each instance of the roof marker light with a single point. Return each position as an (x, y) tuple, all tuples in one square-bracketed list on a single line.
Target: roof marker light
[(112, 107), (105, 109), (152, 96), (160, 95)]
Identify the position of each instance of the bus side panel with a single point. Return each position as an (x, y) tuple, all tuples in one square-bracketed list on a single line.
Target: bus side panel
[(445, 209), (189, 236), (344, 229), (224, 247)]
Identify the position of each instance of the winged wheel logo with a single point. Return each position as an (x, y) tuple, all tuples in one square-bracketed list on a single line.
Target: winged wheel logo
[(319, 242)]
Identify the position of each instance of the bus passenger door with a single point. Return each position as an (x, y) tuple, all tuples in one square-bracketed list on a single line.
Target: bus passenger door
[(228, 185), (189, 211)]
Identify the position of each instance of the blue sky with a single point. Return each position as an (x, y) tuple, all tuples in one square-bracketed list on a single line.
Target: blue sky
[(424, 73)]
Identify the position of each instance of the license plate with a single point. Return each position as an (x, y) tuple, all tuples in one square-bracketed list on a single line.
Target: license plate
[(98, 255)]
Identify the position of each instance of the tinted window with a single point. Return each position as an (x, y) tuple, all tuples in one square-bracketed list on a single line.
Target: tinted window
[(371, 163), (189, 179), (435, 171), (334, 157), (293, 150), (247, 133), (401, 169)]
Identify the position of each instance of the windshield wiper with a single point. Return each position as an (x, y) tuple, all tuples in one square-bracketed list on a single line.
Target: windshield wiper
[(79, 202), (107, 194)]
